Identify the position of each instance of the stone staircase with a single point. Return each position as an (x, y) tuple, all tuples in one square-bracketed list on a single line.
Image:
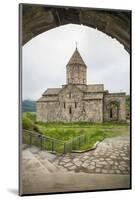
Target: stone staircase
[(33, 159)]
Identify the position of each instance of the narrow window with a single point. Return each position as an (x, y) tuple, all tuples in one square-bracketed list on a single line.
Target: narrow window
[(70, 110), (64, 105), (111, 113), (75, 105), (70, 95)]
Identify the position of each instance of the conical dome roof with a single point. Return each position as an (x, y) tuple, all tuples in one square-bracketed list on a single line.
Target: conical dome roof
[(76, 59)]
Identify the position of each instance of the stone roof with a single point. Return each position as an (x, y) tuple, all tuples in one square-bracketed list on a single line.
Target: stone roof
[(93, 96), (52, 91), (76, 59), (47, 98), (95, 88)]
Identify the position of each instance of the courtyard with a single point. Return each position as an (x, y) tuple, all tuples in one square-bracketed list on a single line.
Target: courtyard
[(106, 167)]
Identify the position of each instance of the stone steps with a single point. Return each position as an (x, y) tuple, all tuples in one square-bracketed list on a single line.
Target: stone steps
[(32, 160), (47, 164)]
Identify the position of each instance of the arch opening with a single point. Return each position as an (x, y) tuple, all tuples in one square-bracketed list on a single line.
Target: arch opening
[(114, 111), (38, 19)]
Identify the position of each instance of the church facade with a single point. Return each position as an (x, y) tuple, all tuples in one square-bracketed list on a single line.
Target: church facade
[(79, 101)]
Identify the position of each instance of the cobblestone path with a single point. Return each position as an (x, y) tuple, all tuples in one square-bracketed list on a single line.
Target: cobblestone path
[(112, 156)]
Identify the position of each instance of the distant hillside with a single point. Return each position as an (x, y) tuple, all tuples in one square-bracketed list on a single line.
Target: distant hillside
[(28, 106)]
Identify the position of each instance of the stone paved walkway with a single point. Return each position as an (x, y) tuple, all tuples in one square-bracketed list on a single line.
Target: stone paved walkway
[(112, 156)]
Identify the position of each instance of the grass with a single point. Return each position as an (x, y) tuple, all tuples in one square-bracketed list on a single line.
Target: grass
[(92, 132), (88, 133)]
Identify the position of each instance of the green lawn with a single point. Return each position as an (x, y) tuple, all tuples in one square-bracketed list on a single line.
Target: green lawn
[(87, 133), (92, 132)]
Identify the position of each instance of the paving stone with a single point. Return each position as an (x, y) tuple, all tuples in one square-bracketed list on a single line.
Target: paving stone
[(125, 172), (78, 163), (66, 160), (118, 171), (96, 153), (68, 165), (85, 165), (121, 168), (116, 163), (92, 163), (95, 160), (111, 171), (85, 157), (111, 162), (91, 167), (104, 171), (62, 163), (102, 162), (108, 159), (123, 163), (123, 154), (97, 170), (107, 167), (75, 160), (72, 167), (125, 158), (99, 165), (114, 167), (101, 159), (113, 157)]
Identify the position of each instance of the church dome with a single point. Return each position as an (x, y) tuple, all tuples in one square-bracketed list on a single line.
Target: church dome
[(76, 69), (76, 59)]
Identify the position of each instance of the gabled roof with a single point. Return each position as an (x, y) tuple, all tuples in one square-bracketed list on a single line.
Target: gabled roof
[(76, 59), (95, 88), (52, 91), (69, 86), (48, 98)]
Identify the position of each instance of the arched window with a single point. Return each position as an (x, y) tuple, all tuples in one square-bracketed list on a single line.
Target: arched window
[(114, 111), (64, 105), (70, 110), (75, 104), (111, 113)]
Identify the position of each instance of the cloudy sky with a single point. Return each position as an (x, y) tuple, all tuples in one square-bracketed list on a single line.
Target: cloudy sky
[(45, 58)]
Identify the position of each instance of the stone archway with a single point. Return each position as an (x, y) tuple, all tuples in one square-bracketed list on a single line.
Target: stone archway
[(113, 109), (38, 19)]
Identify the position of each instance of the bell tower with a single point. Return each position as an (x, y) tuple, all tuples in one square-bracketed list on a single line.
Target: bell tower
[(76, 69)]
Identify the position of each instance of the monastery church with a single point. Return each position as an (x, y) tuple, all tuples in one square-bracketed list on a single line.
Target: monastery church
[(79, 101)]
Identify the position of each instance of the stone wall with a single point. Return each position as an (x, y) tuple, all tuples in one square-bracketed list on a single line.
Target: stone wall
[(76, 74), (95, 88), (71, 105), (94, 110)]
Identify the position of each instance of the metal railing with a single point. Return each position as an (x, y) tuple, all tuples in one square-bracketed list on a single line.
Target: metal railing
[(51, 144)]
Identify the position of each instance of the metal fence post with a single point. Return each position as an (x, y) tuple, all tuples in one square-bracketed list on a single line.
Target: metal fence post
[(64, 148), (52, 145), (41, 142), (79, 141), (30, 139)]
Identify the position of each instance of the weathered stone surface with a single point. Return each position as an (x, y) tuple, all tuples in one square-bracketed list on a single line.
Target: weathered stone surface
[(91, 167), (38, 19)]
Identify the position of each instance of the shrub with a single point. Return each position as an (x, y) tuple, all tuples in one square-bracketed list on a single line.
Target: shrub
[(27, 123), (36, 128), (31, 115)]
